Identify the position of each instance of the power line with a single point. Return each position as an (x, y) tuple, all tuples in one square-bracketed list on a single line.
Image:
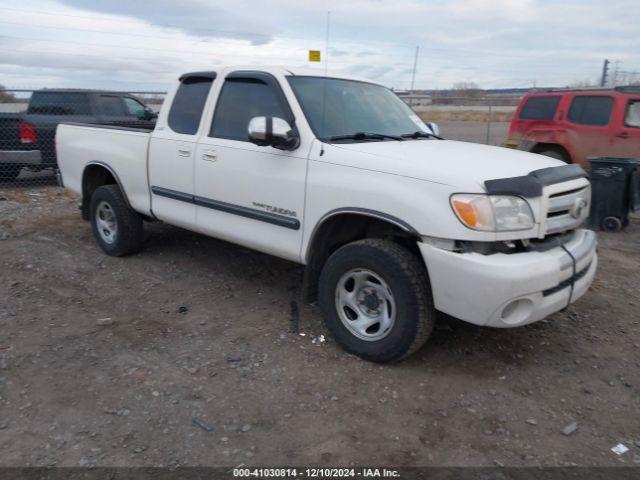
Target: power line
[(210, 55), (215, 33), (177, 27), (294, 55), (129, 47), (475, 52)]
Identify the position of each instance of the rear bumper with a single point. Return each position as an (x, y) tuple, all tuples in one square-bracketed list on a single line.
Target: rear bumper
[(20, 157), (510, 290)]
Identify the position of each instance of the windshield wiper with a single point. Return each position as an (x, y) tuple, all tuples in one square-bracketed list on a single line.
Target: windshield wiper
[(365, 136), (420, 134)]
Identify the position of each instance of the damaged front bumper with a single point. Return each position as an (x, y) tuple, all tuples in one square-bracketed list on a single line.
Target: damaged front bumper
[(511, 289)]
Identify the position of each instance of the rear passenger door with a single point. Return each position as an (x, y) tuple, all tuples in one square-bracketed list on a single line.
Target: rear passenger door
[(249, 194), (627, 129), (172, 152), (589, 125)]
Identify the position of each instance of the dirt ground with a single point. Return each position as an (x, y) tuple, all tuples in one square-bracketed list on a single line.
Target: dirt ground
[(200, 328), (466, 115), (474, 131)]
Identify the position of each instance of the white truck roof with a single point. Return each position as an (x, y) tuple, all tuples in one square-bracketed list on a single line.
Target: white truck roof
[(282, 70)]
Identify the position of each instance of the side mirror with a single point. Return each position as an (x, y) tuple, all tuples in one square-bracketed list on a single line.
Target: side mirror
[(435, 129), (272, 132), (149, 114)]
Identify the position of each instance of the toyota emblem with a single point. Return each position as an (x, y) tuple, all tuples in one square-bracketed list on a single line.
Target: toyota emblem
[(578, 207)]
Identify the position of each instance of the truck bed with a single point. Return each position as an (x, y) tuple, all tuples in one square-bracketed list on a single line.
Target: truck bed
[(123, 150)]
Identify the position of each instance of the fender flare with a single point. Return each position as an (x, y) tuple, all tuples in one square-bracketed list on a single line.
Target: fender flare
[(113, 174), (358, 211)]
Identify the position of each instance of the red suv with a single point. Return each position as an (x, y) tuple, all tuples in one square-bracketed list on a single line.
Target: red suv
[(572, 125)]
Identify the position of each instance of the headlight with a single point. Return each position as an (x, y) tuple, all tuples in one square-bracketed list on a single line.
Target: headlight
[(492, 213)]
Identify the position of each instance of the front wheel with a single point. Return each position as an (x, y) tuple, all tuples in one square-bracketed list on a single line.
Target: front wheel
[(116, 227), (376, 300)]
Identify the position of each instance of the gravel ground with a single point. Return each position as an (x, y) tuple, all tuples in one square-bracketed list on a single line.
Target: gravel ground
[(188, 354)]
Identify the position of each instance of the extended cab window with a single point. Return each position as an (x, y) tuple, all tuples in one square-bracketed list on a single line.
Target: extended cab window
[(540, 108), (59, 103), (240, 100), (188, 104), (632, 117), (590, 110)]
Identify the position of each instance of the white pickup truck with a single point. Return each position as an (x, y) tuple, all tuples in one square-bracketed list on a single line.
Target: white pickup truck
[(392, 222)]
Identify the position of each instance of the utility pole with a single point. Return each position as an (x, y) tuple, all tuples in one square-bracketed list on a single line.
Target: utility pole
[(413, 74), (605, 73), (615, 72), (326, 44)]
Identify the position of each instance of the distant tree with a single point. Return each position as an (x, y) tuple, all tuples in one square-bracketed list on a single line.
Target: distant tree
[(581, 84), (466, 86), (467, 89), (6, 97)]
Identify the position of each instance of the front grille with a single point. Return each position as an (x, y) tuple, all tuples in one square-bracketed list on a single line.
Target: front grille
[(564, 212), (566, 283)]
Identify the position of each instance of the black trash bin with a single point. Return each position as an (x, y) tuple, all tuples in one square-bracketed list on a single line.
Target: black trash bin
[(614, 192)]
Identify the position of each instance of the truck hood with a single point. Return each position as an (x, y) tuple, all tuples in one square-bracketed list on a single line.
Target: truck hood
[(459, 164)]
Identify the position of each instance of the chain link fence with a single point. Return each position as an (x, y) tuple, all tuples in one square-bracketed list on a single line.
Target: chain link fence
[(28, 121), (478, 119)]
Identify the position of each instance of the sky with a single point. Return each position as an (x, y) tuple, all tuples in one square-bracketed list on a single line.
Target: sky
[(145, 45)]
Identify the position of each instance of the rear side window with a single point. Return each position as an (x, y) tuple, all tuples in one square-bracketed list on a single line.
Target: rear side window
[(240, 101), (188, 104), (632, 117), (540, 108), (111, 106), (59, 103), (590, 110)]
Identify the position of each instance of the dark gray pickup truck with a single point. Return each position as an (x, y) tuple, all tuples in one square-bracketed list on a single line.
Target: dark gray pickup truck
[(28, 139)]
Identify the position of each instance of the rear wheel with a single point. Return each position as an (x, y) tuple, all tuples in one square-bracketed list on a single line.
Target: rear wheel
[(376, 300), (117, 228), (9, 173), (555, 154)]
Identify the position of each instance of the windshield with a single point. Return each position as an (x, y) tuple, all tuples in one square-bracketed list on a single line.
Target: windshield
[(353, 107)]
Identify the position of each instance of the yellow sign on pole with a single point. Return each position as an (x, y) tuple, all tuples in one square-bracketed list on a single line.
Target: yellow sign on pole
[(314, 55)]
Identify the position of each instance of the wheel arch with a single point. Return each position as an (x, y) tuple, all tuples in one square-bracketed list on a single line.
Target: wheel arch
[(345, 225), (96, 174), (556, 147)]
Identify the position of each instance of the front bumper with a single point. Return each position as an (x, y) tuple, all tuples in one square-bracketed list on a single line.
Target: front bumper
[(20, 157), (510, 290)]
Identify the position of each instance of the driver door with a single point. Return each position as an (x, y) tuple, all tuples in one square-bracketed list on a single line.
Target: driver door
[(245, 193)]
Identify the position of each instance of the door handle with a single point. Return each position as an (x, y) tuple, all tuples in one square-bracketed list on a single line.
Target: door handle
[(623, 135), (184, 153), (210, 156)]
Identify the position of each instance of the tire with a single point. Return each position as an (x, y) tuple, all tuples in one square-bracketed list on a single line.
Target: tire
[(9, 173), (403, 300), (555, 154), (116, 228), (611, 224)]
